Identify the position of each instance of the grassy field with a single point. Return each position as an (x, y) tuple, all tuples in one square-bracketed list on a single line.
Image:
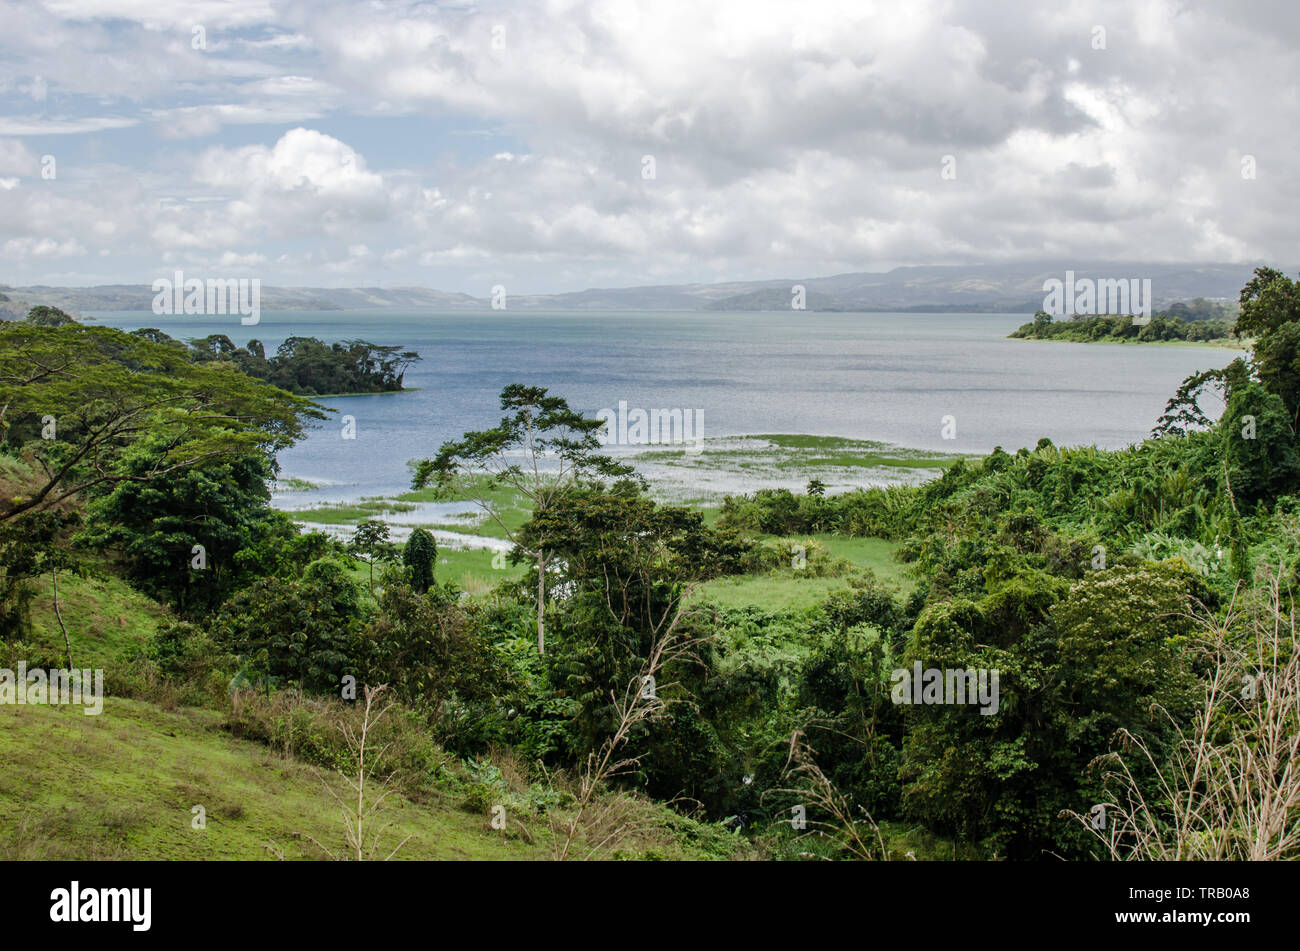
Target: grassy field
[(843, 461), (122, 786), (790, 589), (475, 570), (512, 506), (824, 451)]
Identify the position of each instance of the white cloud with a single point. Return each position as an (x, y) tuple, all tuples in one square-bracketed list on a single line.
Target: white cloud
[(16, 157), (41, 248), (302, 159), (788, 139), (39, 125)]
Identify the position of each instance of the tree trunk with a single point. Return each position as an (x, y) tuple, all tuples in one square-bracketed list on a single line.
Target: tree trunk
[(541, 603), (67, 642)]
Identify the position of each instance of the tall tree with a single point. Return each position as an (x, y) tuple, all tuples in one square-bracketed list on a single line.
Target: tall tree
[(540, 448), (371, 539)]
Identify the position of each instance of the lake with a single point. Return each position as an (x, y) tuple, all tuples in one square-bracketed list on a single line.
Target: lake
[(886, 377)]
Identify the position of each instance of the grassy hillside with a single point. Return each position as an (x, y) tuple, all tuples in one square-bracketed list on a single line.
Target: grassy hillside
[(108, 621), (122, 785)]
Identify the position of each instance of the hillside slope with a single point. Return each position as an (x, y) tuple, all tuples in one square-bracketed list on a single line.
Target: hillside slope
[(122, 785)]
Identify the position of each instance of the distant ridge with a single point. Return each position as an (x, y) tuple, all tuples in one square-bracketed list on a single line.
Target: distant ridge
[(991, 288)]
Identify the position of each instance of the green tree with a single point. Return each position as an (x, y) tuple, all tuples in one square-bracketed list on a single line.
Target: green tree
[(1277, 359), (558, 448), (1269, 300), (1076, 664), (625, 566), (1260, 453), (73, 398), (428, 648), (370, 538), (27, 549), (181, 533), (43, 316), (306, 630), (419, 556)]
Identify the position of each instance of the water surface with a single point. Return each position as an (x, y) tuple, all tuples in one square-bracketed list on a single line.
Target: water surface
[(886, 377)]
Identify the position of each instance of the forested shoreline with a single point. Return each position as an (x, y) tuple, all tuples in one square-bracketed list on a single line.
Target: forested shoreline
[(301, 365), (1124, 328)]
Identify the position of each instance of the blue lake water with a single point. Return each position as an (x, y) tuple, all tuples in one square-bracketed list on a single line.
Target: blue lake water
[(886, 377)]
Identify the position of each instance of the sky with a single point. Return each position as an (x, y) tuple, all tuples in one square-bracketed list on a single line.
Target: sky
[(556, 146)]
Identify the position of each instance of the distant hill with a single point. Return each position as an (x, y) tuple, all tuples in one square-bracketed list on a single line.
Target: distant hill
[(140, 297), (990, 288)]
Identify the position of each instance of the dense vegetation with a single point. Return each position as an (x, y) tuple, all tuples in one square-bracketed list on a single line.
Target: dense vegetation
[(1121, 597), (1198, 308), (309, 367), (1120, 328), (301, 365)]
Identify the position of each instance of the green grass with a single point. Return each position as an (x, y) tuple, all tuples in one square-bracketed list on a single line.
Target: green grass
[(107, 619), (473, 569), (350, 513), (848, 453), (513, 507), (788, 589), (790, 452), (14, 471), (295, 485), (121, 785), (771, 592), (874, 553)]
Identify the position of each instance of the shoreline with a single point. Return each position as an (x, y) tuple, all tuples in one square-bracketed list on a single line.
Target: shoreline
[(1225, 344)]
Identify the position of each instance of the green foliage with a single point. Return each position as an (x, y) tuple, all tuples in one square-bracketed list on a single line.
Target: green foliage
[(43, 316), (305, 631), (1269, 301), (427, 647), (419, 556), (1074, 667), (310, 367), (186, 536), (1261, 459), (537, 423), (877, 513), (1118, 328), (1071, 572), (26, 550), (74, 398), (370, 538)]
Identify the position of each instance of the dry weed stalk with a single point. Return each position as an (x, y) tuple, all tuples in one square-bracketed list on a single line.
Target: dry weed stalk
[(357, 815), (612, 820), (1231, 788), (846, 819)]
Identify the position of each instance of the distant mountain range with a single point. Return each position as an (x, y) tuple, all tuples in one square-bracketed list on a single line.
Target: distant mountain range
[(992, 288)]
